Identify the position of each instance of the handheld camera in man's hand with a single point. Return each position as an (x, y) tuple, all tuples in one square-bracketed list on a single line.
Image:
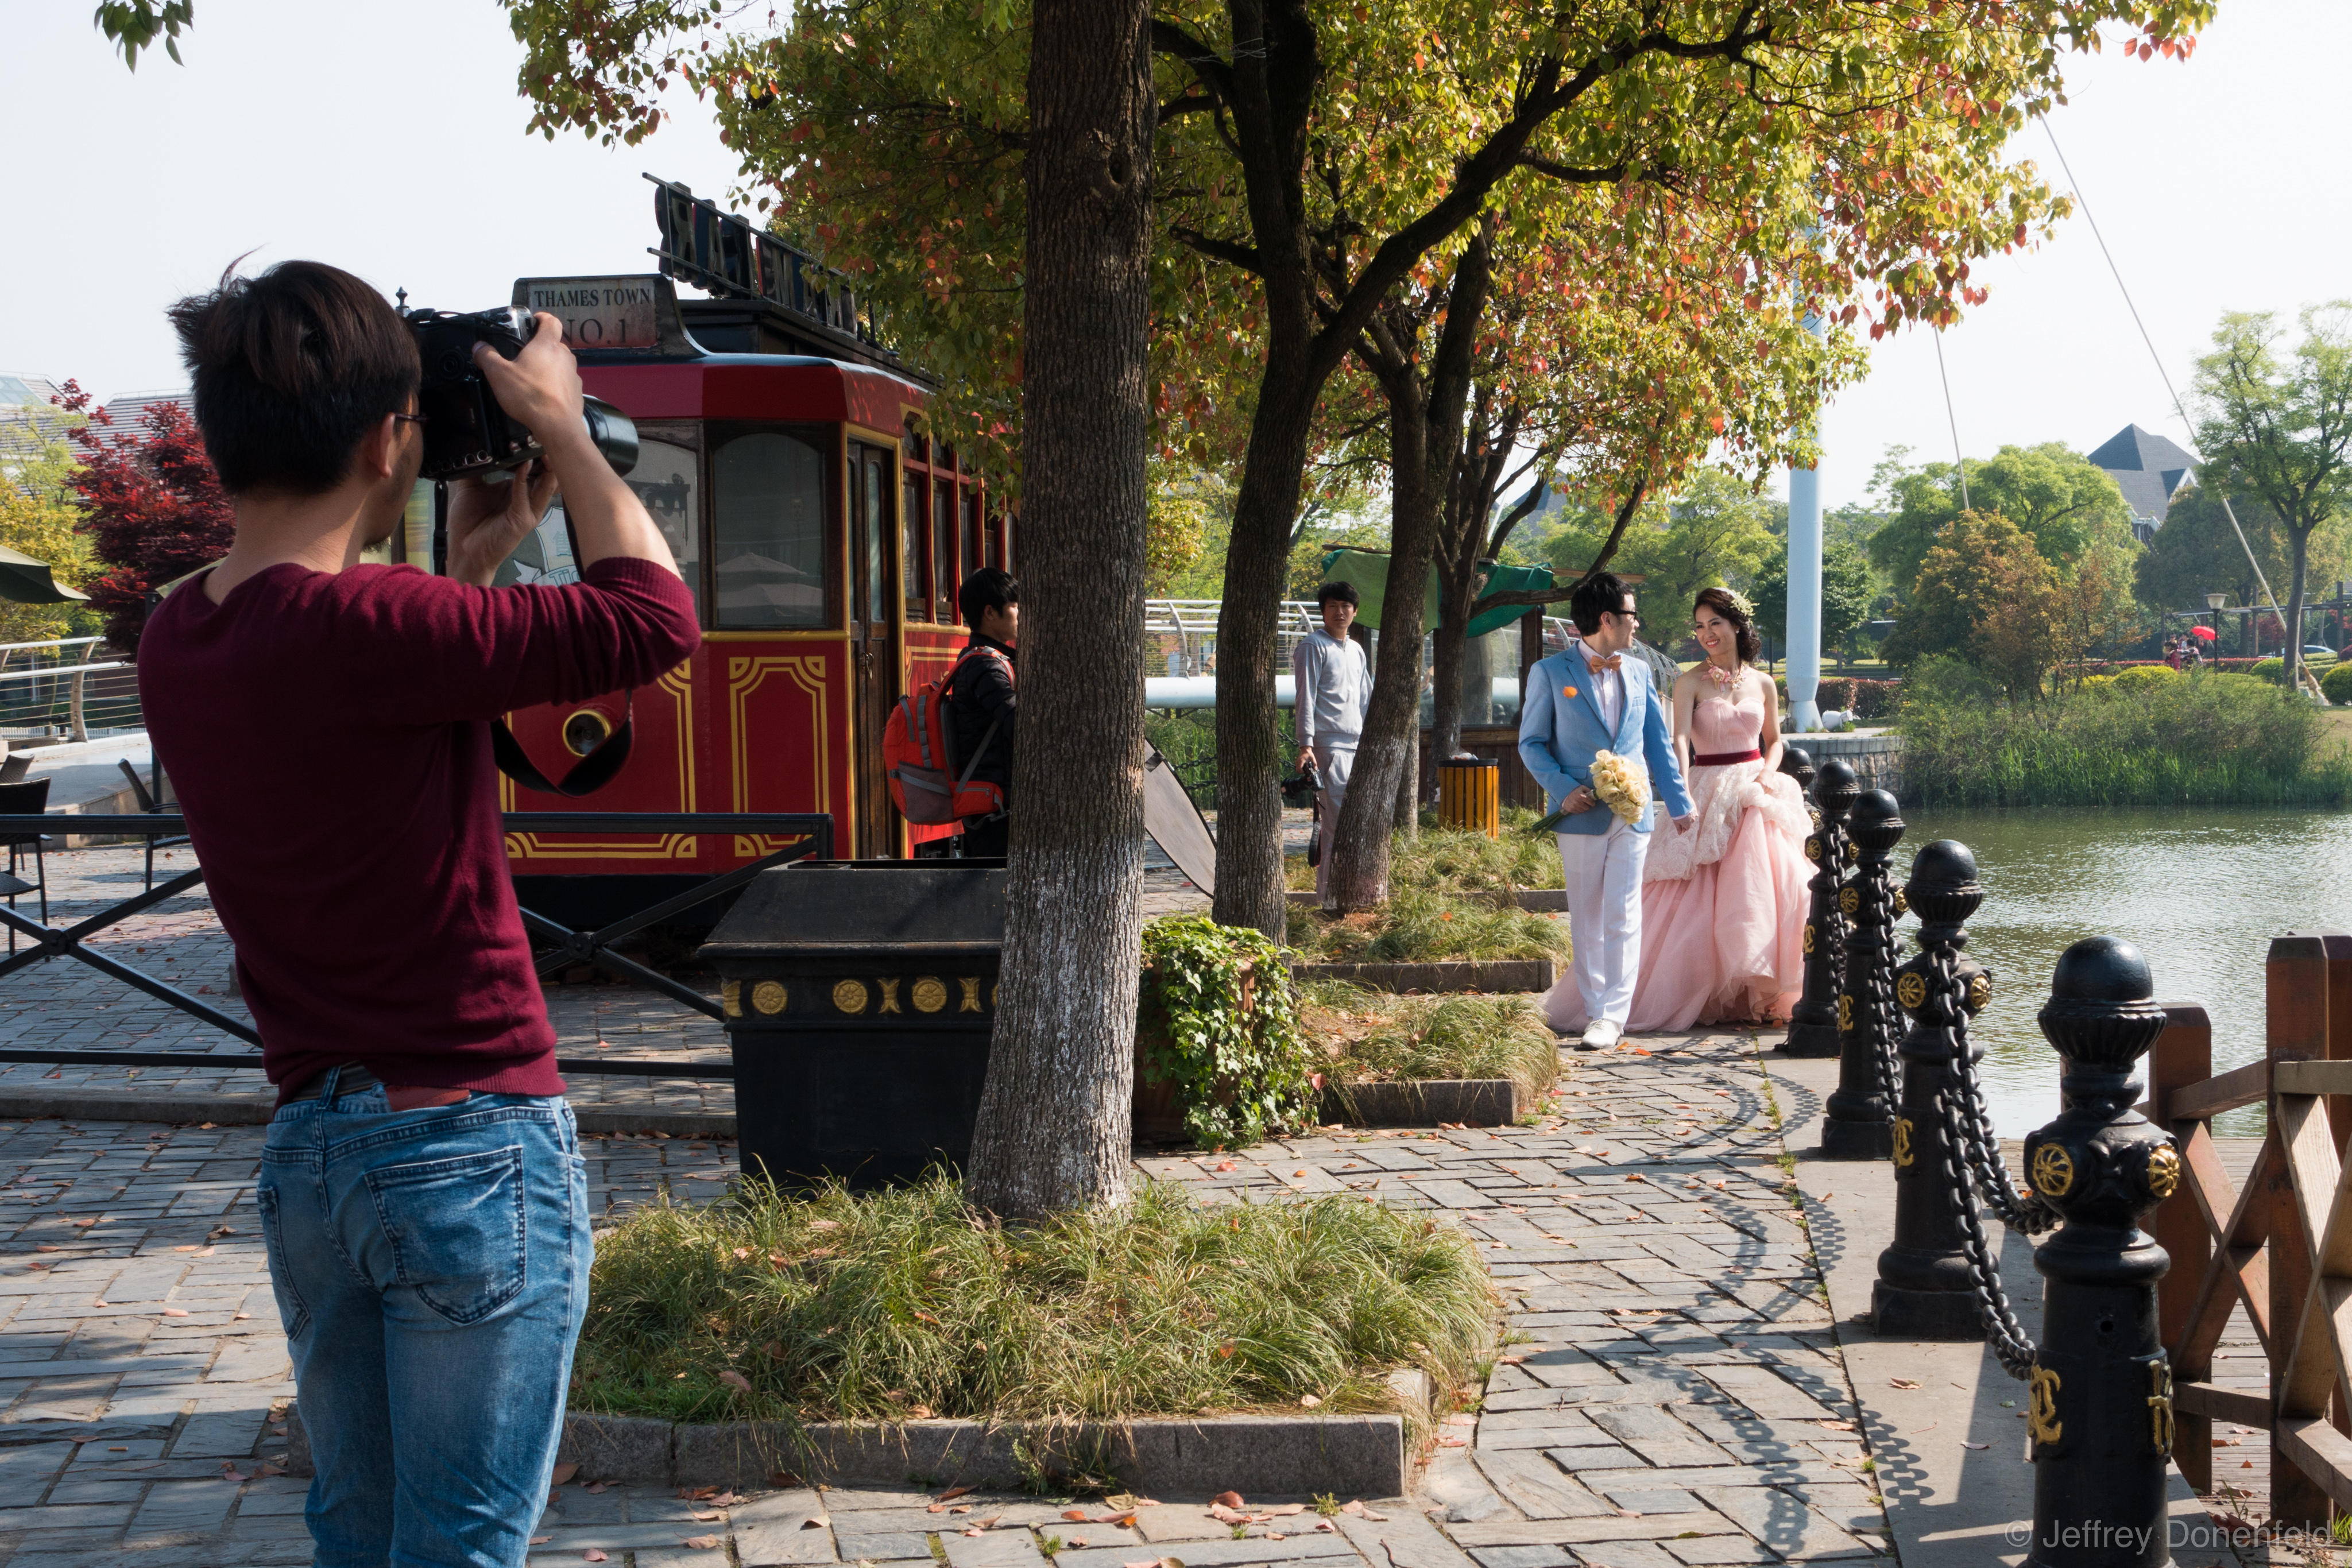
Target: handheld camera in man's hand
[(466, 430)]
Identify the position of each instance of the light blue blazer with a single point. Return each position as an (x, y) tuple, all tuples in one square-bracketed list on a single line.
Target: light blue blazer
[(1560, 735)]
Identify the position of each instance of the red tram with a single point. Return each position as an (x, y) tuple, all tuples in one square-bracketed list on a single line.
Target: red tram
[(823, 536)]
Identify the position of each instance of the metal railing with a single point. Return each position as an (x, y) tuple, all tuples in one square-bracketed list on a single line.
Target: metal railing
[(62, 685)]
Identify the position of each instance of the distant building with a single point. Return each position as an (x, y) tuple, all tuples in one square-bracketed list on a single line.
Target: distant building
[(21, 438), (128, 414), (2147, 469)]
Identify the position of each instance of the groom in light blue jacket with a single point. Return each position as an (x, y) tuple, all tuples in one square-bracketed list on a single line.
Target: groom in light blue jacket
[(1580, 702)]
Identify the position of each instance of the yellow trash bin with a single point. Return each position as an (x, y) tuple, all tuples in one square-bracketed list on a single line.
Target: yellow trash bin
[(1469, 794)]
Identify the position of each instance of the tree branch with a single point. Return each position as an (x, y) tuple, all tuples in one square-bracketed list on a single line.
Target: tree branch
[(1240, 256), (1557, 593)]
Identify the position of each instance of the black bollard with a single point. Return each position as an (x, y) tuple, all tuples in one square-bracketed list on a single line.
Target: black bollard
[(2101, 1420), (1813, 1022), (1858, 1122), (1926, 1289), (1797, 764)]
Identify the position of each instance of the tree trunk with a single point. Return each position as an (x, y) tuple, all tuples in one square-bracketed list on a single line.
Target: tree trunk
[(2293, 651), (1053, 1128), (1249, 767)]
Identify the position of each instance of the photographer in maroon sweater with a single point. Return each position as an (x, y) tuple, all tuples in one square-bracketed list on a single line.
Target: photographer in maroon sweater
[(327, 727)]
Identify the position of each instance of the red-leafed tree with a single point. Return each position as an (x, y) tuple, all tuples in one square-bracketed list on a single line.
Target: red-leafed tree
[(150, 504)]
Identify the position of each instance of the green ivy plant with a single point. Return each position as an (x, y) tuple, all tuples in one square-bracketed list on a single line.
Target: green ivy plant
[(1237, 1075)]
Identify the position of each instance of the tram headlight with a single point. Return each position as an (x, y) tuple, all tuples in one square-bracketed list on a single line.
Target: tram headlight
[(465, 431)]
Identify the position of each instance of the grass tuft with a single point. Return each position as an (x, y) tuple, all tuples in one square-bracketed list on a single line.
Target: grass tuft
[(1378, 1038), (905, 1304)]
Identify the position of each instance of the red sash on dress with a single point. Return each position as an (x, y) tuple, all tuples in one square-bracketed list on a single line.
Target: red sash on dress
[(1725, 758)]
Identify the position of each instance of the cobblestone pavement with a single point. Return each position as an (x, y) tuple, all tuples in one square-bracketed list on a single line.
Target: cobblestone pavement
[(1673, 1394)]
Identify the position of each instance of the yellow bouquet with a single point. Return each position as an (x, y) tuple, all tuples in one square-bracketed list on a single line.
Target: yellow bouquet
[(1623, 785)]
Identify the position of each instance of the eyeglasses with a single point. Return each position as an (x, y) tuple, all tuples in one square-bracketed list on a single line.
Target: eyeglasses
[(410, 418), (1632, 615)]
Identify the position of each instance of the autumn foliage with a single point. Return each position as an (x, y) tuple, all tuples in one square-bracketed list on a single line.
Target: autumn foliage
[(150, 504)]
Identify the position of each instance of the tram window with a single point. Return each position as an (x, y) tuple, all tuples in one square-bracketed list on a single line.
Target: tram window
[(667, 480), (943, 546), (878, 507), (910, 553), (768, 527), (973, 554), (544, 559)]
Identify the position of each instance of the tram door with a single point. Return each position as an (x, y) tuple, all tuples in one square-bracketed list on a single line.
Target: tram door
[(872, 530)]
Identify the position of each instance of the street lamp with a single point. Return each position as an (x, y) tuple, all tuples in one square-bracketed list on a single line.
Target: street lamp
[(2213, 601)]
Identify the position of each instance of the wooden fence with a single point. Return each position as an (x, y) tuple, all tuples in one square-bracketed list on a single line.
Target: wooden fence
[(2281, 1246)]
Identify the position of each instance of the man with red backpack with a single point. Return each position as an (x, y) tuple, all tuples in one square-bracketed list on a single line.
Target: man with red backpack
[(982, 703)]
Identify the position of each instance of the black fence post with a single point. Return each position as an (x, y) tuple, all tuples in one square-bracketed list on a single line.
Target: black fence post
[(1857, 1122), (1926, 1288), (2100, 1419), (1813, 1022)]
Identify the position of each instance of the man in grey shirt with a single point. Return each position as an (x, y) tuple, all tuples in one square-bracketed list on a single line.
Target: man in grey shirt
[(1333, 684)]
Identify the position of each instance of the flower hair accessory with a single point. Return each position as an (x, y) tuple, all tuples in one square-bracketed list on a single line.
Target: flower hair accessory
[(1739, 601)]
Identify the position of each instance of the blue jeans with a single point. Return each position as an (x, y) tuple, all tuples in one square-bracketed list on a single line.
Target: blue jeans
[(431, 1266)]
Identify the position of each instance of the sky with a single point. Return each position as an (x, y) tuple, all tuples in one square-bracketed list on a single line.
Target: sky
[(390, 140)]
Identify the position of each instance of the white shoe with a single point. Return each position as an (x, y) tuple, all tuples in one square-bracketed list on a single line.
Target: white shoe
[(1600, 1034)]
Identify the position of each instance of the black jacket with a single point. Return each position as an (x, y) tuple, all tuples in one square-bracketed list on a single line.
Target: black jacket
[(982, 692)]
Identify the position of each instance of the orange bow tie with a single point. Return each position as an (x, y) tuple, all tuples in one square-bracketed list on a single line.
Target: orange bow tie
[(1611, 662)]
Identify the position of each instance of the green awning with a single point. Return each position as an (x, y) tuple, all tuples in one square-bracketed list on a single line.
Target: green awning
[(28, 581), (1367, 572)]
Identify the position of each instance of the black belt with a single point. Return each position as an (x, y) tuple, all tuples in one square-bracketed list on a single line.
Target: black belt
[(351, 1079)]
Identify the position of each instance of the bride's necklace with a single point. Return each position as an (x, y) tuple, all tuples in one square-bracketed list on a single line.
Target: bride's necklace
[(1722, 677)]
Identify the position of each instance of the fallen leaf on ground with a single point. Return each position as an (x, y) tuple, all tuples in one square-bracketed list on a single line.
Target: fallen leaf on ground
[(736, 1380), (702, 1543), (1078, 1514), (1902, 1383), (1224, 1515), (594, 1554), (954, 1493), (825, 1225), (45, 1246), (541, 1539), (1227, 1165), (1227, 1500), (1453, 1442), (1513, 1360), (1078, 1540), (175, 1311), (1325, 1524), (708, 1518), (1309, 1400), (1836, 1425), (1966, 1443), (562, 1472), (598, 1486), (961, 1508)]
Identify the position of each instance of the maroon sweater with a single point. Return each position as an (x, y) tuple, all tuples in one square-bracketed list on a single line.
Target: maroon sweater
[(328, 735)]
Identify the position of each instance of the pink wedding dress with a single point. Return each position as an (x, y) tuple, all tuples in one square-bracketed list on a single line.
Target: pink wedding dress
[(1722, 907)]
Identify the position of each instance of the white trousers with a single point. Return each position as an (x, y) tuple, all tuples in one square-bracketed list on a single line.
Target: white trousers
[(1604, 877), (1333, 764)]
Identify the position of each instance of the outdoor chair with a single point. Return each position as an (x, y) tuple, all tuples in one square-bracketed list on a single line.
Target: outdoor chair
[(151, 803), (24, 800)]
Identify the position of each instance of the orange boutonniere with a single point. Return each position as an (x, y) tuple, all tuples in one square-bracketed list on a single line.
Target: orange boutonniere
[(1567, 691)]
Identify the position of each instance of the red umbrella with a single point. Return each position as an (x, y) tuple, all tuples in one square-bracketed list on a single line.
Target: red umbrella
[(2202, 633)]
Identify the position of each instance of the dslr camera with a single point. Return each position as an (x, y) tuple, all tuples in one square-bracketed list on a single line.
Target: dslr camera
[(465, 431)]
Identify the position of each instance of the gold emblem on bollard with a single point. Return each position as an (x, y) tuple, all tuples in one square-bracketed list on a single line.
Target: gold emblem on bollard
[(730, 993), (2042, 1423), (1850, 899), (850, 996), (1813, 847), (1853, 854), (2053, 1171), (769, 996), (890, 993), (1902, 903), (1902, 1140), (2159, 1405), (1911, 991), (970, 984), (1846, 1013), (1809, 940), (929, 995), (2163, 1170), (1979, 992)]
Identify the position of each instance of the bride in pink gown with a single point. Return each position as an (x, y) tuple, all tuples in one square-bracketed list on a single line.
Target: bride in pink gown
[(1723, 907)]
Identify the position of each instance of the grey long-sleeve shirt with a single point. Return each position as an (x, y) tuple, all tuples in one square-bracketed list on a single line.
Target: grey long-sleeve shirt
[(1334, 685)]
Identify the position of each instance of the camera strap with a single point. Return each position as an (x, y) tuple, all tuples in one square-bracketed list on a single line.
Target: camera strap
[(587, 776)]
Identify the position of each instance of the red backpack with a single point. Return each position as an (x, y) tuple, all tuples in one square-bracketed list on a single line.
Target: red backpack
[(919, 754)]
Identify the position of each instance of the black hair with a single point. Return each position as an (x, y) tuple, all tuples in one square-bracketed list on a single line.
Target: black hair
[(989, 588), (1603, 590), (291, 370), (1345, 592), (1743, 629)]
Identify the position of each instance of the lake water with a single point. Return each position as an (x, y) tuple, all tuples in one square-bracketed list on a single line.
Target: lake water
[(2201, 892)]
